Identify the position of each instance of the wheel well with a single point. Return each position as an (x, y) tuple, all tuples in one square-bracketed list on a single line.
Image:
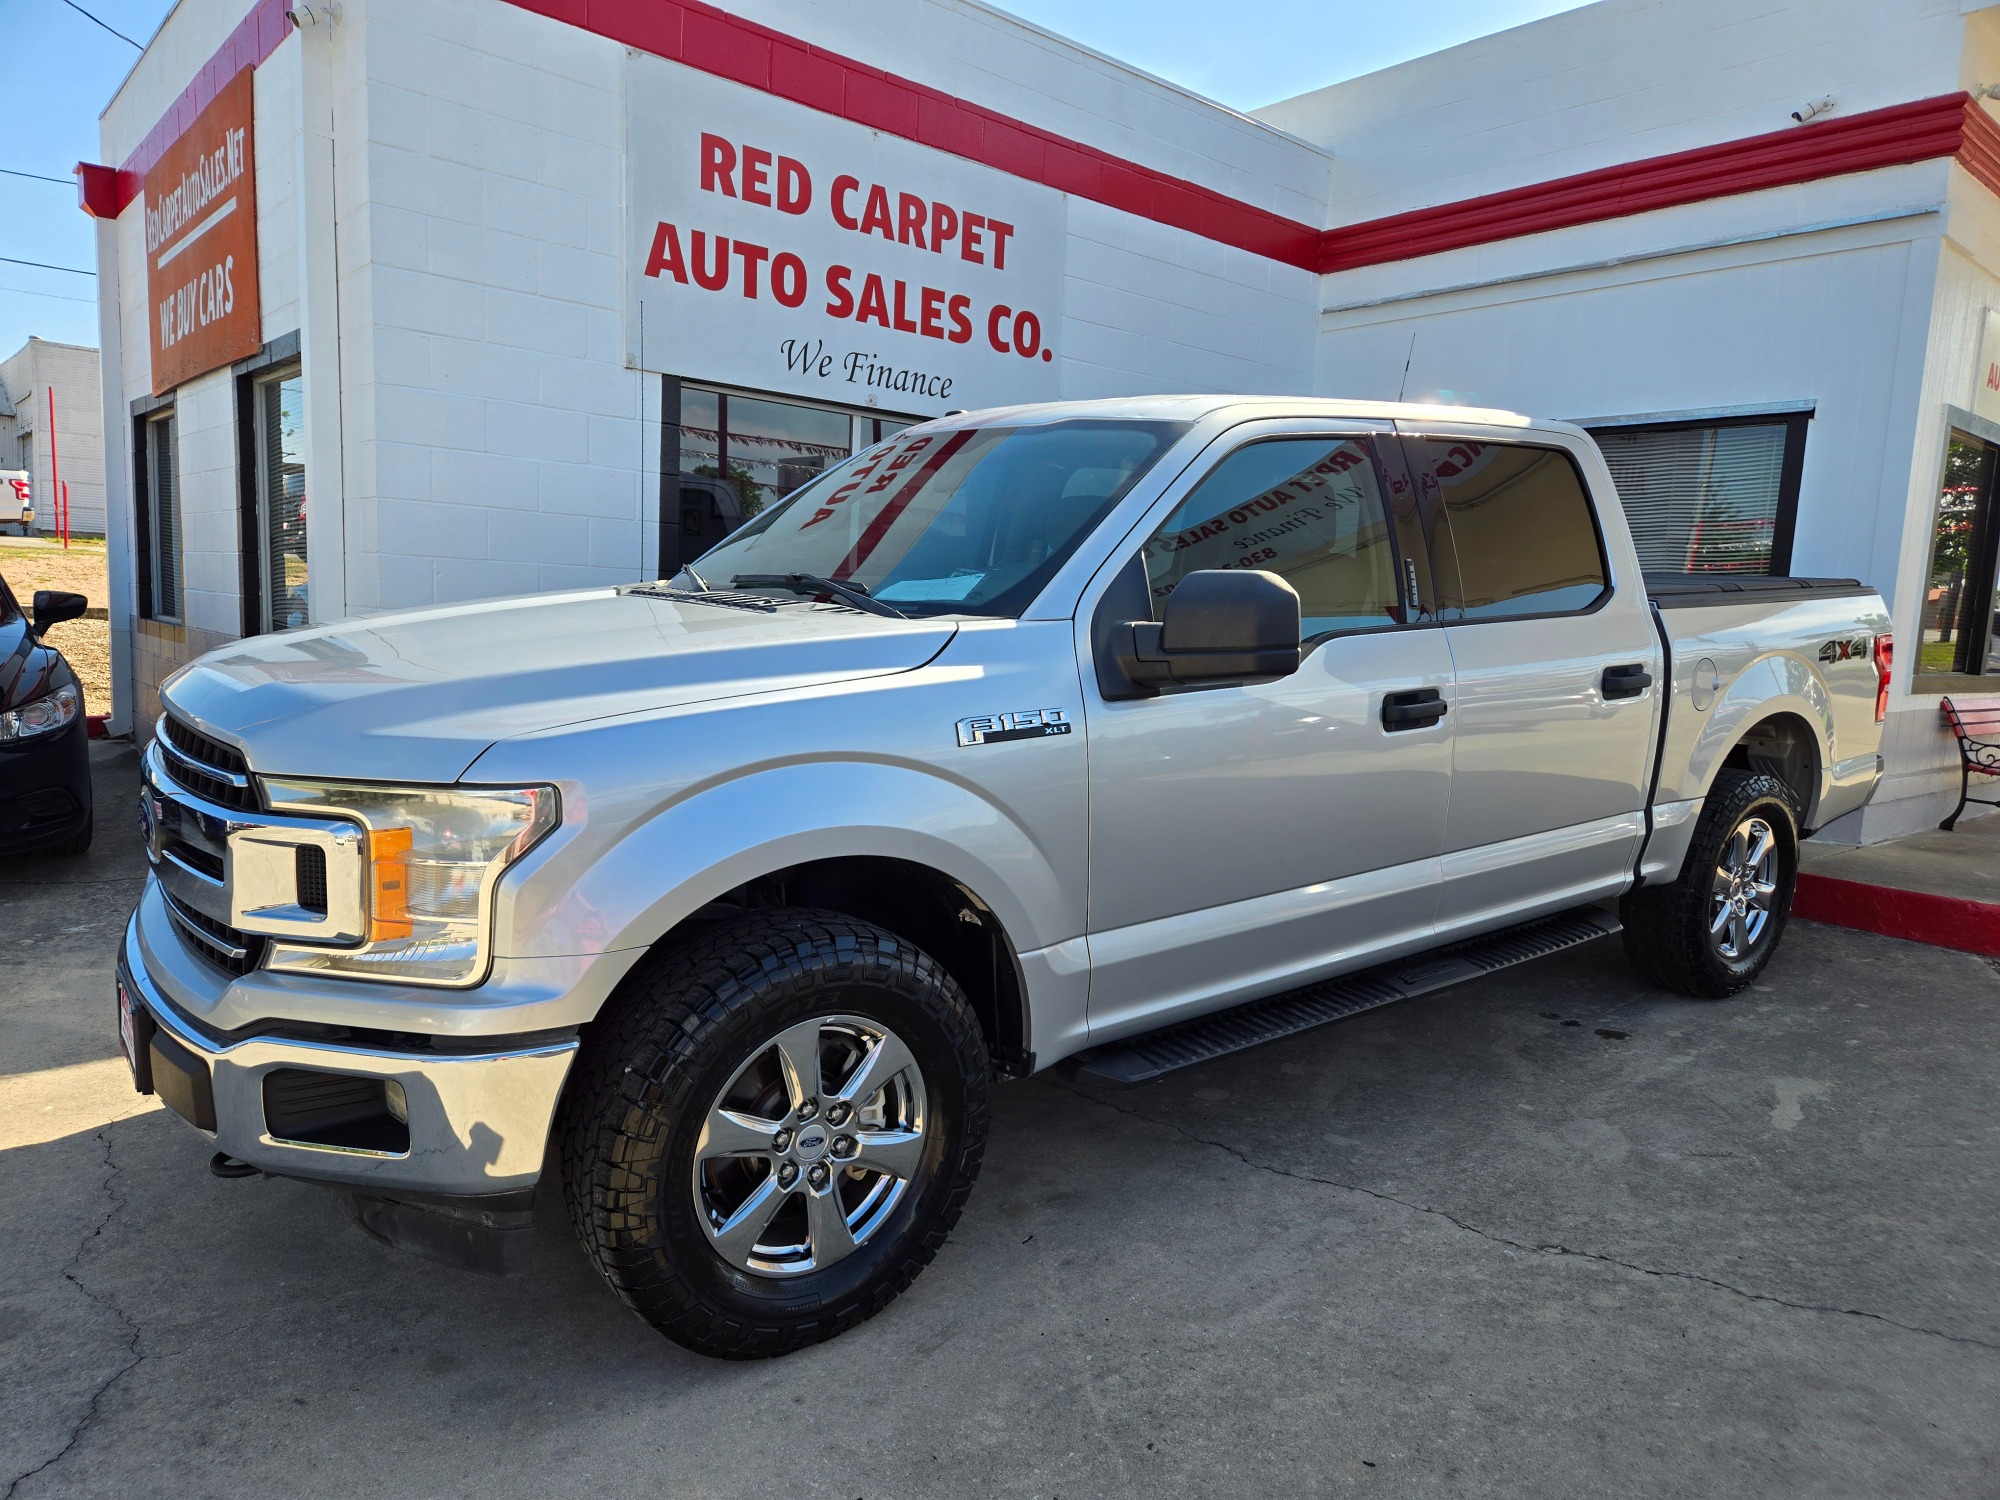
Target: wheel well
[(1782, 746), (924, 907)]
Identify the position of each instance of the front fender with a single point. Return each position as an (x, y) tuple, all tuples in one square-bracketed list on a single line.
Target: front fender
[(719, 836)]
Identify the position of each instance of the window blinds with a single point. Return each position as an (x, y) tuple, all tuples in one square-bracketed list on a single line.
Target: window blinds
[(1699, 499), (281, 485), (163, 493)]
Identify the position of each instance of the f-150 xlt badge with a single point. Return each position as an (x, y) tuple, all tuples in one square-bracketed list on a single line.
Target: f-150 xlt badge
[(1023, 724)]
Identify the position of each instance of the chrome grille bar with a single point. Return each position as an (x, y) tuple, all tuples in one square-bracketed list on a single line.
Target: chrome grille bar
[(206, 767)]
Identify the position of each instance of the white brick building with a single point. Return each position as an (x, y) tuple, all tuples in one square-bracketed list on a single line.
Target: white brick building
[(73, 451), (547, 292)]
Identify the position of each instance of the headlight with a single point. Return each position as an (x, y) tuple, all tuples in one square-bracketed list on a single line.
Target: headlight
[(433, 855), (43, 716)]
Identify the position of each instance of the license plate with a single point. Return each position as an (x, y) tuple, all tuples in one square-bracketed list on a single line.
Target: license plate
[(135, 1037), (128, 1031)]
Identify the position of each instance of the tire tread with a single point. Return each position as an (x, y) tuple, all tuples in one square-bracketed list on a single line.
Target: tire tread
[(1666, 926), (634, 1077)]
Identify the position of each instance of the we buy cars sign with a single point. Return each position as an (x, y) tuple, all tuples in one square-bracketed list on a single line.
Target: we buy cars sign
[(200, 203), (775, 247)]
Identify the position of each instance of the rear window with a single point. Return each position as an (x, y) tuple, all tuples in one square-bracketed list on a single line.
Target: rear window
[(1522, 527)]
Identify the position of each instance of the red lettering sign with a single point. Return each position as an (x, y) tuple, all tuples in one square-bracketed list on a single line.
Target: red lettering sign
[(200, 203)]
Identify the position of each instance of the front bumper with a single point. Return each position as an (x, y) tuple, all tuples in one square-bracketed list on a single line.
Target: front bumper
[(477, 1119), (45, 787)]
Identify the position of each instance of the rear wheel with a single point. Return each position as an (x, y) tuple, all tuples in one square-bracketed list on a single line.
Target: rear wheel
[(773, 1131), (1711, 932)]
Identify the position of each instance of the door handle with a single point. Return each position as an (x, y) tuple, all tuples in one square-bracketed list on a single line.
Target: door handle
[(1417, 709), (1627, 681)]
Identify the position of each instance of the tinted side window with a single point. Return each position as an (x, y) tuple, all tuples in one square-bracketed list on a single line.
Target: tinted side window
[(1522, 527), (1310, 510)]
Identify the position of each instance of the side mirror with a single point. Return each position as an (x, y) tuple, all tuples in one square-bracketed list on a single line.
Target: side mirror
[(1220, 625), (53, 606)]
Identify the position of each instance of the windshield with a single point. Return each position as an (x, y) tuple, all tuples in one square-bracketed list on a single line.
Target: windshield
[(969, 521)]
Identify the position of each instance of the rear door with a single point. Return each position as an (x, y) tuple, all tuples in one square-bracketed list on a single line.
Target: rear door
[(1556, 669), (1244, 835)]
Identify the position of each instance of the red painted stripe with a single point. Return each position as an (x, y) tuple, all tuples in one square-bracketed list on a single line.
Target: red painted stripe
[(1894, 136), (713, 41), (1917, 916), (1979, 152), (255, 38)]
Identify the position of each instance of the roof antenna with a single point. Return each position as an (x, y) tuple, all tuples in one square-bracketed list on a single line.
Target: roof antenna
[(1406, 365)]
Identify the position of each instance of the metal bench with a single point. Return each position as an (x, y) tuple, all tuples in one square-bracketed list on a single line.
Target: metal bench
[(1976, 727)]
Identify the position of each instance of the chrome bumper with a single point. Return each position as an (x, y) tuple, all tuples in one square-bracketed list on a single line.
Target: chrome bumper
[(478, 1121)]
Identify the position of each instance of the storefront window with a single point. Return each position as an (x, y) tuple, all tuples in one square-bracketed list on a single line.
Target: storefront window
[(737, 454), (159, 518), (1714, 497), (281, 500), (1958, 635)]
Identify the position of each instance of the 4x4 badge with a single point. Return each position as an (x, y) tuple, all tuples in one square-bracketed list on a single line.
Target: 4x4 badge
[(1023, 724)]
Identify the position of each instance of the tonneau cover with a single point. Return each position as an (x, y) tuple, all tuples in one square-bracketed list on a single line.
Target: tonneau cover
[(1692, 590)]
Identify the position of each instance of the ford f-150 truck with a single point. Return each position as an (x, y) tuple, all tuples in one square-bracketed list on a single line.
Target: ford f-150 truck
[(1118, 735)]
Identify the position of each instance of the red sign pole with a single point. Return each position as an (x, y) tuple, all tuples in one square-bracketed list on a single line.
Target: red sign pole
[(55, 472)]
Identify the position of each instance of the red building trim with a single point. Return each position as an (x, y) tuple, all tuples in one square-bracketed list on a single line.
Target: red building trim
[(1950, 125), (1979, 148), (713, 41), (703, 37), (106, 192)]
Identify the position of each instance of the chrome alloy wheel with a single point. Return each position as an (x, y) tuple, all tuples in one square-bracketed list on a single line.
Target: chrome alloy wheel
[(1745, 884), (810, 1146)]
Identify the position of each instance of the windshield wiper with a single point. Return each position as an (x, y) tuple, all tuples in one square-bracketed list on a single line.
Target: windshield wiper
[(852, 594)]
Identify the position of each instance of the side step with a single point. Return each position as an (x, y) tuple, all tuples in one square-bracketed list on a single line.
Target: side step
[(1141, 1059)]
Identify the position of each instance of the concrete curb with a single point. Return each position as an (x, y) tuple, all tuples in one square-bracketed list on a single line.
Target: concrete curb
[(1916, 916)]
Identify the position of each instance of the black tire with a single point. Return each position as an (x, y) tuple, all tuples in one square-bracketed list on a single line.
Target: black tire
[(1667, 927), (680, 1030)]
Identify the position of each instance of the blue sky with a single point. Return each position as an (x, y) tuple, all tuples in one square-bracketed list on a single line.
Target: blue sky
[(61, 68)]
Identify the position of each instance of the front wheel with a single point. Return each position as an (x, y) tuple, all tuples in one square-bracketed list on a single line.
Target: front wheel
[(774, 1129), (1711, 932)]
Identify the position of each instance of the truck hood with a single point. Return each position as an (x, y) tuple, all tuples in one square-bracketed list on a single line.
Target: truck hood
[(419, 696)]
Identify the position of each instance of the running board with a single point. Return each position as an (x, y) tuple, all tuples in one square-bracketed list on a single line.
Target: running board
[(1141, 1059)]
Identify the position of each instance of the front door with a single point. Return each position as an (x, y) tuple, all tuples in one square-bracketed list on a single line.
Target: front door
[(1556, 666), (1246, 838)]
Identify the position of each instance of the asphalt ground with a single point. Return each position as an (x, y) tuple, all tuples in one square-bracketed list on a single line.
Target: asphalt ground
[(1551, 1234)]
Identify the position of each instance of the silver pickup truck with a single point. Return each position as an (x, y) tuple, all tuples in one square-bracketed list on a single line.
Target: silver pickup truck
[(1116, 735)]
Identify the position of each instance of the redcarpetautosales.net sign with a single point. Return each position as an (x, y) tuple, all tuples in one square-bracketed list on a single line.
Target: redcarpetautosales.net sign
[(775, 247)]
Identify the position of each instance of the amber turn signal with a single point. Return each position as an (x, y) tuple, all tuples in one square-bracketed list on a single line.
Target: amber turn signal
[(388, 883)]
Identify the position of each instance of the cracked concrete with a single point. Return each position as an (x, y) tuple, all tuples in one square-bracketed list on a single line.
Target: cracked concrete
[(1540, 1249), (1454, 1248), (70, 1272)]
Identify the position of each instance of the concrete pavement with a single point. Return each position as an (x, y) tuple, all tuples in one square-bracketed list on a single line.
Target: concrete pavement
[(1552, 1234)]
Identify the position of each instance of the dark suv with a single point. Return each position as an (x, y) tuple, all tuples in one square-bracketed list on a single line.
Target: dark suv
[(44, 741)]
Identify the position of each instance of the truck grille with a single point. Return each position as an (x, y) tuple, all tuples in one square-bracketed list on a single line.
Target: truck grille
[(206, 767), (229, 950)]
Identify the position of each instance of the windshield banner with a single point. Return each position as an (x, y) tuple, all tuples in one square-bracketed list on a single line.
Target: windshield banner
[(778, 248)]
